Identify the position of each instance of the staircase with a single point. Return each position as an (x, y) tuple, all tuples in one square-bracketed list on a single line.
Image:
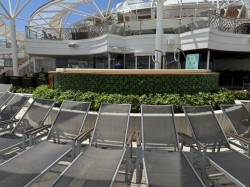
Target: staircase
[(21, 64)]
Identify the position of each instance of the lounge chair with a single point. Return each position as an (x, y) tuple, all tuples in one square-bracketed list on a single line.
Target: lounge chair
[(121, 31), (192, 26), (98, 164), (207, 132), (164, 163), (5, 87), (27, 167), (34, 117), (8, 114), (238, 117), (201, 23), (183, 29), (113, 29)]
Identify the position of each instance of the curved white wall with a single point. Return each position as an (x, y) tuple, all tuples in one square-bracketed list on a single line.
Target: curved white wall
[(216, 40), (107, 42), (142, 44)]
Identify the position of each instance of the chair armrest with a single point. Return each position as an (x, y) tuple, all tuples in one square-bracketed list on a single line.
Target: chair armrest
[(83, 134), (187, 140), (240, 138), (8, 121), (33, 129), (192, 139), (37, 130), (130, 138), (137, 138)]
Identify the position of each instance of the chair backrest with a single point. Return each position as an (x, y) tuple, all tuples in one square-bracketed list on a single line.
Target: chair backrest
[(238, 117), (192, 26), (183, 28), (176, 30), (158, 126), (246, 80), (35, 115), (121, 31), (4, 98), (45, 36), (201, 23), (111, 125), (5, 87), (113, 29), (69, 121), (205, 126), (13, 107)]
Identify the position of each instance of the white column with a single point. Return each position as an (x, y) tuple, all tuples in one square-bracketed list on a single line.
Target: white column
[(14, 47), (159, 32), (218, 7), (208, 59), (109, 61)]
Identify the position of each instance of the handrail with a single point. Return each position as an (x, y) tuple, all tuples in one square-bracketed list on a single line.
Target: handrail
[(153, 53), (164, 58)]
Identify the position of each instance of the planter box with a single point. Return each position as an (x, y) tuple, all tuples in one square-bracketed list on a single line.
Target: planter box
[(246, 103)]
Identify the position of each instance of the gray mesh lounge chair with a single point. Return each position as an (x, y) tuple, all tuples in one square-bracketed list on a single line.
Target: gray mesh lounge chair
[(5, 87), (183, 29), (201, 23), (33, 118), (8, 114), (113, 29), (163, 163), (19, 171), (98, 164), (207, 131), (192, 26), (238, 117)]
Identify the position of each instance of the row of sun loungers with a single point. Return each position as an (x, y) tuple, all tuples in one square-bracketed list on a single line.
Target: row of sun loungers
[(164, 162)]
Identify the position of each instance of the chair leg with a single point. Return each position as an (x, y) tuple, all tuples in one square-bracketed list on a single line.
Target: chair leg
[(126, 164), (24, 141), (204, 163), (137, 164), (30, 140), (78, 144), (73, 149), (248, 150)]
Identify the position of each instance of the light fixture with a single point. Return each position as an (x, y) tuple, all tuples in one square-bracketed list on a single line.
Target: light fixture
[(121, 48), (73, 45)]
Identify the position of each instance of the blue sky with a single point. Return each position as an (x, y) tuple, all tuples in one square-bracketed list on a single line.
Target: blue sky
[(35, 4)]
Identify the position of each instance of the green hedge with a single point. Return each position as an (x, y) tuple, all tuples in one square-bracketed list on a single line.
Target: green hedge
[(222, 96), (19, 89)]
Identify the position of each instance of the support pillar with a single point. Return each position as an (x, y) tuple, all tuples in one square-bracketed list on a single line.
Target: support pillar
[(208, 59), (14, 47), (159, 32)]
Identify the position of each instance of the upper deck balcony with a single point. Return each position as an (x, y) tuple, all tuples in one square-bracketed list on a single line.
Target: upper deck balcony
[(206, 19)]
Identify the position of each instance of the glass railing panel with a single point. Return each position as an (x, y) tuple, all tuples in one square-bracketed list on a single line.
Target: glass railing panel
[(214, 21), (227, 25), (133, 28), (171, 26), (242, 26), (117, 28), (186, 24), (148, 26)]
